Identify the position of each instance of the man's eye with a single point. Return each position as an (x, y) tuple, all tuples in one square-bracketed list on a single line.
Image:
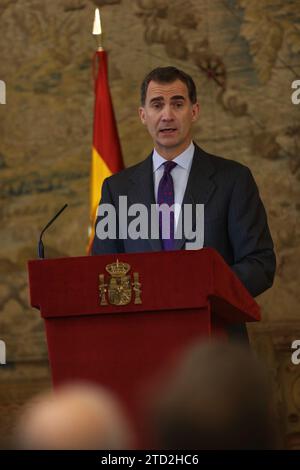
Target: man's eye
[(178, 105), (156, 105)]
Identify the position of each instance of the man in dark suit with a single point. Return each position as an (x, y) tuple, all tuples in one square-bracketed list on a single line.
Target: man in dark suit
[(235, 221)]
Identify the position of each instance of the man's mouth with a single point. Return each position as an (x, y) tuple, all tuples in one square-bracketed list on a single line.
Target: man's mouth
[(168, 130)]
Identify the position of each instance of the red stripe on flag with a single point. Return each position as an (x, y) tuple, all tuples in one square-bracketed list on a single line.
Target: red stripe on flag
[(105, 140)]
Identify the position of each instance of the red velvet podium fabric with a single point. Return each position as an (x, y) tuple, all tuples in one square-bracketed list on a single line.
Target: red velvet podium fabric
[(186, 295)]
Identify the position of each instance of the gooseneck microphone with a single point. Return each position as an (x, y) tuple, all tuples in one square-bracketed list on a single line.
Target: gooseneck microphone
[(41, 253)]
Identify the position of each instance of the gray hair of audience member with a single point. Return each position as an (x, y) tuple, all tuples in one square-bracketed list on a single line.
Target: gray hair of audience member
[(220, 397), (75, 416)]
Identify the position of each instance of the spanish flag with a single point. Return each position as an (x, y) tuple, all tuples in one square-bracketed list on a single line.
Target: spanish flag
[(106, 155)]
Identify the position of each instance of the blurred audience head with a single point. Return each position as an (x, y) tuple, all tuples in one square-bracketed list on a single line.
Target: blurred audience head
[(75, 416), (218, 398)]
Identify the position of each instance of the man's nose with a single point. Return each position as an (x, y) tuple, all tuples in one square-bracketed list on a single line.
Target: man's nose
[(167, 113)]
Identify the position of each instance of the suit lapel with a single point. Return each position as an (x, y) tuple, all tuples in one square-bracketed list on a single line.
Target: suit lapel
[(142, 192), (200, 186)]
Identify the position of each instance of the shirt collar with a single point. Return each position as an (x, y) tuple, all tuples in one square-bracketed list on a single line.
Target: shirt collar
[(184, 159)]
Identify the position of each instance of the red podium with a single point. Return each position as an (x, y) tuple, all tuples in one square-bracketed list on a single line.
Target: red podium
[(171, 299)]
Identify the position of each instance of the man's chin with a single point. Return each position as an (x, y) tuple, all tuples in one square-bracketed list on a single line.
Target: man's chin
[(169, 142)]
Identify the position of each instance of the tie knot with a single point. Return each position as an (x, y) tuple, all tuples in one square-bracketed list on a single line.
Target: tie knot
[(169, 166)]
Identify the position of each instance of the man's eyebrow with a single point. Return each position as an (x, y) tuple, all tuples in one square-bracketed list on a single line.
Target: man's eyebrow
[(178, 97), (156, 98), (161, 98)]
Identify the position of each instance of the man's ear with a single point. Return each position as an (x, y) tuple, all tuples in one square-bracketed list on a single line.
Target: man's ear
[(195, 111), (142, 114)]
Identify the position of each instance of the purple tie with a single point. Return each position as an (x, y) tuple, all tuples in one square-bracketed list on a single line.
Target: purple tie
[(165, 195)]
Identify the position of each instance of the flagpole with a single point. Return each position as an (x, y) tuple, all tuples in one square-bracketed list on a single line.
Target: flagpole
[(97, 29), (106, 151), (97, 33)]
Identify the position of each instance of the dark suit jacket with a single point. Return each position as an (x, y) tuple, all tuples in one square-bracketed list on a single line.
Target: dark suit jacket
[(235, 218)]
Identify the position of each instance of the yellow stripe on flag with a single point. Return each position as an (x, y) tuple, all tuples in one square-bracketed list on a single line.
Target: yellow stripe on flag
[(99, 171)]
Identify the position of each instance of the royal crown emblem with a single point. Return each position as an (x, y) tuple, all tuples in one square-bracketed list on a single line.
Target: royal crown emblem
[(120, 285), (118, 269)]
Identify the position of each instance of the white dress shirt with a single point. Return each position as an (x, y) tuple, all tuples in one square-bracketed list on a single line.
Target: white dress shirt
[(179, 174)]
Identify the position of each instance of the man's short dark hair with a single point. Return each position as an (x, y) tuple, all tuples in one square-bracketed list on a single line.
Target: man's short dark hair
[(168, 75)]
